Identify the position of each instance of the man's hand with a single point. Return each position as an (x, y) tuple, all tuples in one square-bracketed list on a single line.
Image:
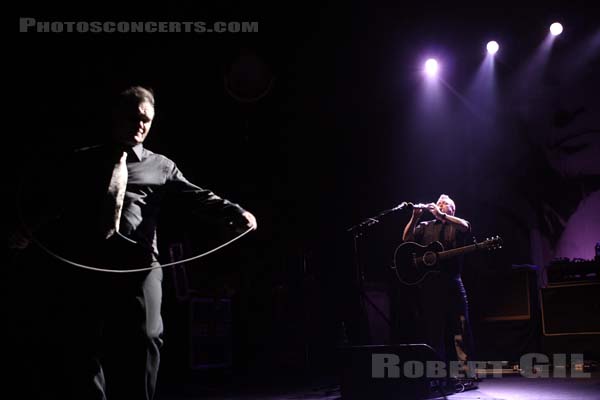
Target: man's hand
[(416, 213), (250, 220), (435, 210), (410, 226)]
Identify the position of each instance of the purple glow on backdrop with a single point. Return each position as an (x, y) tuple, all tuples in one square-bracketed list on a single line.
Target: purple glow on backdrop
[(582, 230), (561, 115), (481, 91), (569, 150)]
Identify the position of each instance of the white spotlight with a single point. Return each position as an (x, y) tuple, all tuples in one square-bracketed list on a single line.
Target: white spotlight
[(492, 47), (556, 29), (431, 67)]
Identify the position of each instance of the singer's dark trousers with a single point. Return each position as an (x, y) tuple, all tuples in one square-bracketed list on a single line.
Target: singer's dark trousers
[(113, 346), (90, 335), (445, 312), (438, 309)]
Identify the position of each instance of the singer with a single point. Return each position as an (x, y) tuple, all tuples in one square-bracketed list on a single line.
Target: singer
[(106, 330), (444, 322)]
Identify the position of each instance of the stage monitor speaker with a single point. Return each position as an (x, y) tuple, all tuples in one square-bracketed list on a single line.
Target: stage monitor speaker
[(571, 309), (379, 372)]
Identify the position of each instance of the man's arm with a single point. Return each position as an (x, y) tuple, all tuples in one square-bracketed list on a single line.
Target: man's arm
[(409, 229), (204, 203), (462, 225), (41, 196)]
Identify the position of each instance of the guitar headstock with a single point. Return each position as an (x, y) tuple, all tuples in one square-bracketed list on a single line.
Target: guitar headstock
[(493, 243)]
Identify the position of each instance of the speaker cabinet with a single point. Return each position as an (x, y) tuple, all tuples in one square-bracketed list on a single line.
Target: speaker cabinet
[(571, 309), (380, 372), (508, 296)]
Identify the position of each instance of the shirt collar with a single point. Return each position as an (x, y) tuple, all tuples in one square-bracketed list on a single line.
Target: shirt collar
[(135, 153), (138, 151)]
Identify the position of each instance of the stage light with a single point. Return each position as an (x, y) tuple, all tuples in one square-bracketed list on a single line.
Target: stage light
[(431, 67), (492, 47), (556, 29)]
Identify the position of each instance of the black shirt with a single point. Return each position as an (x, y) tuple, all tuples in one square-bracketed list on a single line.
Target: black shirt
[(153, 182), (427, 232)]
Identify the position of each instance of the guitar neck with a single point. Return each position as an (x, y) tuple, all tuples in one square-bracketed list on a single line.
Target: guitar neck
[(458, 251)]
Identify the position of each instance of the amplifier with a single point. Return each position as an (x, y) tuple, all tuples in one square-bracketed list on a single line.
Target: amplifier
[(571, 309), (564, 271)]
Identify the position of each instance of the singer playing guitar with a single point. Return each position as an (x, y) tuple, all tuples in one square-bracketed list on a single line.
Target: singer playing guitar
[(442, 299)]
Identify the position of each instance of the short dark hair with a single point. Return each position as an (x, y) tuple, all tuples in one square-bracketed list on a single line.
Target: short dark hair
[(134, 96)]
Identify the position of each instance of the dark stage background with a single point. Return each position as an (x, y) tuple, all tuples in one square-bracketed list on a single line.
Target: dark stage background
[(338, 130)]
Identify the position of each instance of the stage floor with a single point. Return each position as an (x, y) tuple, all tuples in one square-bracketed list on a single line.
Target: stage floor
[(505, 388)]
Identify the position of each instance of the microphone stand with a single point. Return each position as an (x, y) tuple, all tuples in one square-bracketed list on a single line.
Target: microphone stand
[(357, 231)]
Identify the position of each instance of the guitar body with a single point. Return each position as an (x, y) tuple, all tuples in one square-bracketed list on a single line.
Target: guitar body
[(413, 261)]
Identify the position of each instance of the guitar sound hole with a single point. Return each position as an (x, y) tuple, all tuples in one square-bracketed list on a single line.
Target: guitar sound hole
[(429, 258)]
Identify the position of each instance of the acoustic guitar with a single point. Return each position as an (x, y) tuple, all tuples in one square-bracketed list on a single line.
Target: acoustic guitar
[(413, 261)]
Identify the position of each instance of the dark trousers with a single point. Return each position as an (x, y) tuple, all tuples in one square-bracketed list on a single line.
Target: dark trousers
[(436, 312), (445, 314), (89, 335)]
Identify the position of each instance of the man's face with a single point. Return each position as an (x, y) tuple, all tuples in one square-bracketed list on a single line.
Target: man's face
[(132, 125), (445, 207)]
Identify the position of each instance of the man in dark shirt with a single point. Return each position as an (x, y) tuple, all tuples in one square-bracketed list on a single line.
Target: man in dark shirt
[(442, 299), (110, 329)]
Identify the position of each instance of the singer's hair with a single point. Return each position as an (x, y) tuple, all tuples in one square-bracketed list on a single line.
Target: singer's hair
[(450, 202), (132, 97)]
